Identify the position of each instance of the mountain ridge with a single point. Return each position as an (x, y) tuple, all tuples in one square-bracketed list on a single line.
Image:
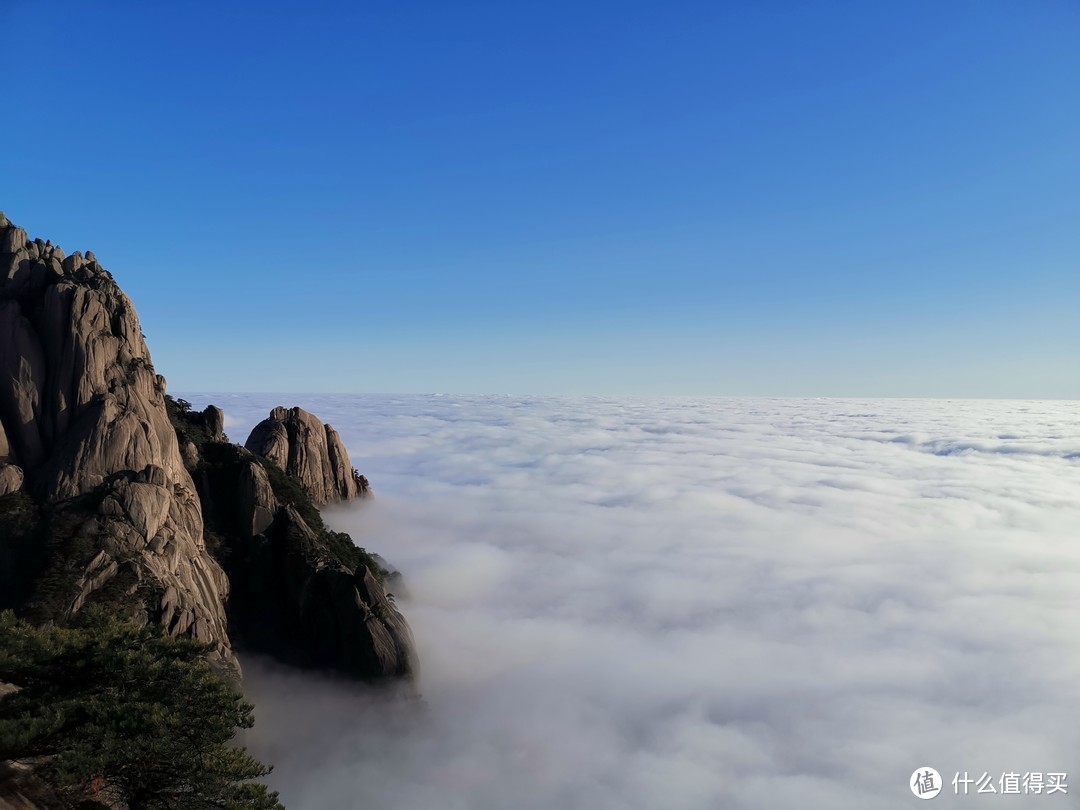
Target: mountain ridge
[(114, 494)]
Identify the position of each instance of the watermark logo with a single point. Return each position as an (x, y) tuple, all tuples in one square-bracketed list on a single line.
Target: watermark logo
[(1034, 783), (925, 783)]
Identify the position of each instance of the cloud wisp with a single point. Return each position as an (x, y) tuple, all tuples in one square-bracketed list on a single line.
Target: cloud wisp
[(715, 603)]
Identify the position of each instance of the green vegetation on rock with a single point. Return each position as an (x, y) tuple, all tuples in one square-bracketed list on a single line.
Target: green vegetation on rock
[(189, 426), (106, 705), (222, 458)]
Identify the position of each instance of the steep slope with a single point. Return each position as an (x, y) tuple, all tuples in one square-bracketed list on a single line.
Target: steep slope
[(300, 591), (112, 492), (88, 453)]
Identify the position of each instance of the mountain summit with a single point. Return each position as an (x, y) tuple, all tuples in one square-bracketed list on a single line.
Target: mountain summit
[(113, 493)]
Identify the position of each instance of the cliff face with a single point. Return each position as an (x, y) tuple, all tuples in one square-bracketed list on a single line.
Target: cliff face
[(300, 591), (85, 434), (298, 443), (110, 490)]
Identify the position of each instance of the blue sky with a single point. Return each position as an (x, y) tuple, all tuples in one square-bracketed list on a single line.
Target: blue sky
[(812, 198)]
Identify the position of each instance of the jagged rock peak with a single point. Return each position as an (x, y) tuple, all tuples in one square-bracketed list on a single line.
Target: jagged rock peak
[(84, 432), (299, 591), (301, 445), (26, 266)]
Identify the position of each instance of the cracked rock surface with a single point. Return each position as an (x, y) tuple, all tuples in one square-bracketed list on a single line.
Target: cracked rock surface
[(84, 431)]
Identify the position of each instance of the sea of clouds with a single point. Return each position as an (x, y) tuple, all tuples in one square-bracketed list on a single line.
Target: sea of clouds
[(698, 603)]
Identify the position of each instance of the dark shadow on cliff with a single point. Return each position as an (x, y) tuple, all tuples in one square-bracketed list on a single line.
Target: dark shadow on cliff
[(299, 591)]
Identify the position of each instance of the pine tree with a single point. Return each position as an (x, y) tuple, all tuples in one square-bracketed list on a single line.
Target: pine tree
[(108, 702)]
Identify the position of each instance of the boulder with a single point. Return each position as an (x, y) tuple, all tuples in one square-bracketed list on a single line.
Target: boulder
[(11, 239), (302, 446), (190, 453), (214, 419), (11, 478), (257, 502)]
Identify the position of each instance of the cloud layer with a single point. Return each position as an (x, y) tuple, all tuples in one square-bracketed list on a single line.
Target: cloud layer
[(716, 603)]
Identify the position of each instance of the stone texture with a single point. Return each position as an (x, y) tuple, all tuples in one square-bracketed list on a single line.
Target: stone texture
[(257, 503), (11, 478), (297, 591), (83, 413), (214, 419), (87, 441), (12, 239), (302, 446), (270, 438), (317, 612), (190, 453)]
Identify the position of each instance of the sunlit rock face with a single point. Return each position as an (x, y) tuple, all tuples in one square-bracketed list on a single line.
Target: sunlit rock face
[(110, 490), (85, 434), (301, 445)]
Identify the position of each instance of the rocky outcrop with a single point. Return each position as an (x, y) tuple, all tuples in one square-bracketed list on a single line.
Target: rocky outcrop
[(302, 446), (11, 478), (343, 615), (86, 435), (214, 420), (300, 592), (112, 492), (256, 503), (319, 611)]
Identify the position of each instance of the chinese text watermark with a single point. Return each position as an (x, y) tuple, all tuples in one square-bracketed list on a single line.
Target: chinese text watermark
[(926, 783)]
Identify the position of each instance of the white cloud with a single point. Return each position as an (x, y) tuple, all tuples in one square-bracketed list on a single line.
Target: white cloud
[(714, 603)]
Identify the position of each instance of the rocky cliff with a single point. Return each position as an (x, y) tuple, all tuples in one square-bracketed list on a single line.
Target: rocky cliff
[(111, 492), (87, 441), (302, 446), (300, 591)]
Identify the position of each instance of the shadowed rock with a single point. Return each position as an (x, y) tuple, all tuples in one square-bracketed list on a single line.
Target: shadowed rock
[(299, 591), (323, 613), (214, 419)]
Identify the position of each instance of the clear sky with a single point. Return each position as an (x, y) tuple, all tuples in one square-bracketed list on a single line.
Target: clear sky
[(790, 198)]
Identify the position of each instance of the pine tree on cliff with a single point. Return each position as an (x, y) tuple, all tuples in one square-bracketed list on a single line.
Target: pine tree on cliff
[(107, 703)]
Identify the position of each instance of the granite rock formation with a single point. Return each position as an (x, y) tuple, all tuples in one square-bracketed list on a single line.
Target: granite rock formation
[(86, 437), (302, 446), (300, 591), (112, 492)]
